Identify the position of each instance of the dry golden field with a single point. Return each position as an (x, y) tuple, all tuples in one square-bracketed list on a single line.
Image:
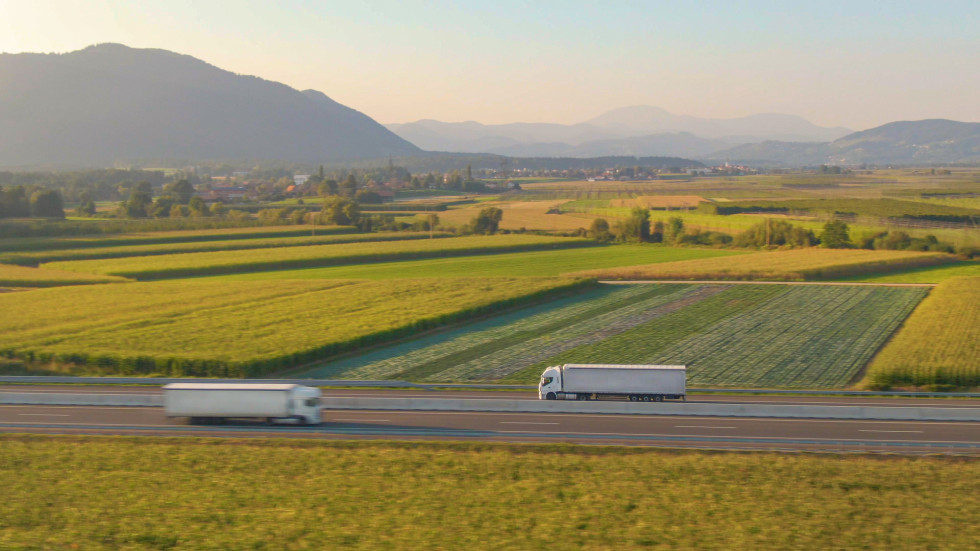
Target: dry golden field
[(529, 215)]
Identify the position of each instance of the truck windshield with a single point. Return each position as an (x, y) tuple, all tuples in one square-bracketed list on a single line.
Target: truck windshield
[(312, 402), (545, 381)]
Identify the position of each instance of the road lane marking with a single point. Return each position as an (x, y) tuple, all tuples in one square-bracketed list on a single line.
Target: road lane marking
[(364, 420), (872, 430), (700, 427), (45, 414), (660, 416), (525, 423)]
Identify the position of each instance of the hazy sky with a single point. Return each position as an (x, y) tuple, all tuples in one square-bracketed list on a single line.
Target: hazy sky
[(852, 63)]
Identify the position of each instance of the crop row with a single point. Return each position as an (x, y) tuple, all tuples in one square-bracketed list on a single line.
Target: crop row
[(246, 328), (590, 331), (939, 343), (22, 244), (786, 265), (491, 345), (745, 335), (225, 262), (36, 257), (806, 337), (537, 263), (21, 276)]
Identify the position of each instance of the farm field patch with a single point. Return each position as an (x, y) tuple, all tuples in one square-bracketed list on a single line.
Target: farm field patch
[(13, 244), (494, 348), (728, 335), (221, 328), (939, 344), (798, 337), (530, 215), (534, 263), (928, 274), (36, 257), (787, 265), (223, 262), (230, 494), (660, 201), (21, 276)]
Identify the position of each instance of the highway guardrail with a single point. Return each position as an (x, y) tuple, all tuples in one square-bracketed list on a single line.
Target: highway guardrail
[(889, 413)]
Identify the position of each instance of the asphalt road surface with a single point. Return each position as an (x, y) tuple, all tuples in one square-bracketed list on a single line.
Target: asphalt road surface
[(633, 430), (529, 395)]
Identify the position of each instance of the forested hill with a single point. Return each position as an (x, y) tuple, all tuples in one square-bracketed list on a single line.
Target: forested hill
[(110, 103), (931, 141)]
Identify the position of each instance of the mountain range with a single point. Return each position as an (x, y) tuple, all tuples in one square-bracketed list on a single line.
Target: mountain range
[(111, 103), (931, 141), (638, 131)]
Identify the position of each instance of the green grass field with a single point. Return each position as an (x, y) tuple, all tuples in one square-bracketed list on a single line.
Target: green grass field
[(928, 274), (939, 344), (224, 262), (189, 493), (21, 276), (538, 263), (34, 258), (786, 265), (728, 335), (14, 244), (240, 328)]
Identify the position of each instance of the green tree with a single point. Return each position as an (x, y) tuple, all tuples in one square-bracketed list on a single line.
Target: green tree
[(198, 207), (339, 210), (181, 191), (835, 235), (657, 232), (600, 230), (142, 186), (327, 187), (162, 206), (349, 186), (138, 204), (47, 203), (636, 228), (86, 209), (179, 211), (368, 197), (16, 203), (673, 230), (487, 221)]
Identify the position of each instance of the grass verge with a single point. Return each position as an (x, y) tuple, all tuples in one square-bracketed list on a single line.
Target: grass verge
[(189, 493)]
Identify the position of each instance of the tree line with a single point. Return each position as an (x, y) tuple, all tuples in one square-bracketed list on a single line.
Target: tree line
[(835, 234)]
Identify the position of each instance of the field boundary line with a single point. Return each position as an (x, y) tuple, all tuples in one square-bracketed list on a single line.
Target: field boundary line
[(744, 282)]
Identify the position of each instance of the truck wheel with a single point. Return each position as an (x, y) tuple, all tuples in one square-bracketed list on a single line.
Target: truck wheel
[(551, 396), (658, 398)]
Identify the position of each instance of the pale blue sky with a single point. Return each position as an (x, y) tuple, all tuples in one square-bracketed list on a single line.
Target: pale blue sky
[(856, 63)]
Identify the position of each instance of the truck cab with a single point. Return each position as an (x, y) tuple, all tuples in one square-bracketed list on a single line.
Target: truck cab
[(550, 384), (306, 405)]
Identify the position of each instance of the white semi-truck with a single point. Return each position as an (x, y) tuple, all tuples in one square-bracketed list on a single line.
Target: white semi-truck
[(213, 403), (637, 383)]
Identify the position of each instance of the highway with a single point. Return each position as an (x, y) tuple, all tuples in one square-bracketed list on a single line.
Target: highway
[(632, 430), (526, 395)]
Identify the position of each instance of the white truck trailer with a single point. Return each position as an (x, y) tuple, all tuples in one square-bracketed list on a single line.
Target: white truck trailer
[(213, 403), (638, 383)]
